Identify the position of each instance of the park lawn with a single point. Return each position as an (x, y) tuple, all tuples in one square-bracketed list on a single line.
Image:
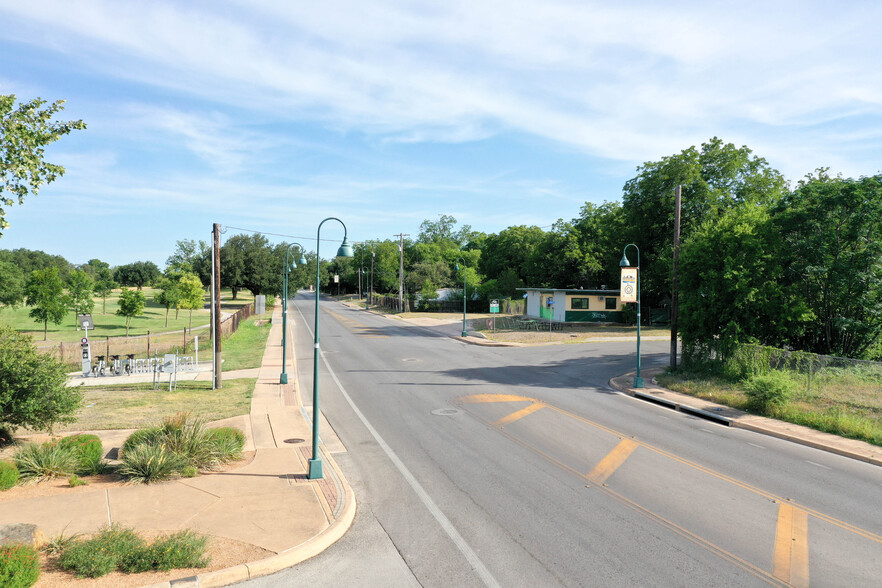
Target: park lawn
[(113, 325), (244, 349), (133, 406)]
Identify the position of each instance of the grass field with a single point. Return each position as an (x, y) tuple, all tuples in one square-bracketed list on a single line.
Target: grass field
[(113, 325), (130, 406), (244, 349)]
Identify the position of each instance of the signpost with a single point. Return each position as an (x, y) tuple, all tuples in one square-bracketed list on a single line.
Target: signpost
[(494, 309)]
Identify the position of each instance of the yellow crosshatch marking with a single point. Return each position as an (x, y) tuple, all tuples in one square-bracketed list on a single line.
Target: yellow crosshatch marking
[(612, 461), (518, 415), (790, 562)]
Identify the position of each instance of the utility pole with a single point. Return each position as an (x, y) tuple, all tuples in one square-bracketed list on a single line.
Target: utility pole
[(360, 270), (401, 237), (216, 319), (675, 294)]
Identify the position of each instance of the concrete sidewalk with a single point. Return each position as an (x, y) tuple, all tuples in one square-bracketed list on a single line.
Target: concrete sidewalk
[(269, 502), (652, 392)]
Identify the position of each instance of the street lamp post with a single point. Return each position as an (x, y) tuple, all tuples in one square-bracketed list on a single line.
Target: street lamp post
[(464, 334), (638, 381), (283, 377), (370, 301), (345, 250)]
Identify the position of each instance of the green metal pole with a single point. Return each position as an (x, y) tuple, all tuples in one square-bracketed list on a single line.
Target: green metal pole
[(464, 334), (315, 464)]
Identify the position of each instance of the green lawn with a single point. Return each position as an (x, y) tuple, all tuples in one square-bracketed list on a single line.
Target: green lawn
[(244, 349), (132, 406), (109, 324)]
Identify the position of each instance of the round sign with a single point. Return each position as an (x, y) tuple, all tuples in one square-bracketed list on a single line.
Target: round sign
[(629, 289), (87, 324), (85, 341)]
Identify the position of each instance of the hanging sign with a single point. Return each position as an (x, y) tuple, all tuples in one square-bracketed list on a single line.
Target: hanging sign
[(628, 287)]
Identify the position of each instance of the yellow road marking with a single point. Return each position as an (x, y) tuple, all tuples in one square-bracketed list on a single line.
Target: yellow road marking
[(612, 461), (515, 416), (476, 398), (790, 559)]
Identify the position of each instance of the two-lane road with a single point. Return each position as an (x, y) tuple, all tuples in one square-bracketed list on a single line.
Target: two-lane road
[(520, 467)]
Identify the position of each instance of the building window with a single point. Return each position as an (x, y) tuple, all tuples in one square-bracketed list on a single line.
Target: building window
[(580, 303), (610, 303)]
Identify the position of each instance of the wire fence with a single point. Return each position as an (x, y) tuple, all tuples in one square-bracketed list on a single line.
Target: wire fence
[(149, 345)]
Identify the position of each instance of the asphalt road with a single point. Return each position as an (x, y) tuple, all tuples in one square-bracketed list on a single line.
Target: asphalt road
[(521, 467)]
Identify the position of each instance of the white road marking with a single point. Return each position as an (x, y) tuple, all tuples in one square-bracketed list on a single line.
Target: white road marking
[(819, 465), (755, 445), (424, 497)]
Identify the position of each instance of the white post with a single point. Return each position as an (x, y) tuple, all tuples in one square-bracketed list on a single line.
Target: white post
[(196, 344)]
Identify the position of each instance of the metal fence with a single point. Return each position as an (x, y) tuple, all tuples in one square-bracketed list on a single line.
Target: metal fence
[(148, 345)]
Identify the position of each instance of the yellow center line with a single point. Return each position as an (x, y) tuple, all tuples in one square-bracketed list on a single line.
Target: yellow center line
[(612, 461), (515, 416), (790, 558)]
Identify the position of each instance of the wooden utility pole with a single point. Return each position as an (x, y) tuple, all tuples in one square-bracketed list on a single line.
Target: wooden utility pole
[(401, 237), (675, 294), (216, 316)]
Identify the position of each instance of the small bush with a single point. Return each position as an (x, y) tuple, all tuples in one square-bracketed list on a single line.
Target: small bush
[(58, 544), (146, 464), (8, 475), (89, 452), (189, 472), (150, 436), (42, 462), (227, 443), (181, 550), (19, 566), (75, 481), (101, 554), (770, 391)]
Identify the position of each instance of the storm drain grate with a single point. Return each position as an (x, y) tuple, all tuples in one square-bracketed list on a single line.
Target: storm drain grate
[(294, 441)]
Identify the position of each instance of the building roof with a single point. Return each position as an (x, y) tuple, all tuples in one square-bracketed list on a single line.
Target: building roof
[(575, 291)]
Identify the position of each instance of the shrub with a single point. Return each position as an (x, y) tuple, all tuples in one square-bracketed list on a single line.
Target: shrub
[(150, 436), (101, 554), (180, 550), (227, 443), (75, 481), (188, 438), (770, 391), (89, 452), (189, 472), (33, 390), (19, 566), (8, 475), (146, 464), (49, 460)]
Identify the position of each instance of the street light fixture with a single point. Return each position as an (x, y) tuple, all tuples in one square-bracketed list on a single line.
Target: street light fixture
[(638, 381), (345, 250), (464, 334), (283, 377)]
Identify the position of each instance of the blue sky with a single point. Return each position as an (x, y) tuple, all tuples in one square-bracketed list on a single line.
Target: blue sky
[(273, 115)]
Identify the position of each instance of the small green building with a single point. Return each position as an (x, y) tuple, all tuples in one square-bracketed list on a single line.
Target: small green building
[(574, 305)]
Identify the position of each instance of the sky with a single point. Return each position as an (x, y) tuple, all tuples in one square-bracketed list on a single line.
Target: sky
[(271, 115)]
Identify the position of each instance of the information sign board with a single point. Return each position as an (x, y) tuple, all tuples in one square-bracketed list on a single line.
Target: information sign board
[(494, 306), (628, 287)]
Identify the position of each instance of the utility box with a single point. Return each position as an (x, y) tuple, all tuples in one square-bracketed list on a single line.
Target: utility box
[(87, 357), (259, 304)]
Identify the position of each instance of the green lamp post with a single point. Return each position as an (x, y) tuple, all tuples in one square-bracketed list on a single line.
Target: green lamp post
[(464, 334), (283, 378), (345, 250), (638, 381)]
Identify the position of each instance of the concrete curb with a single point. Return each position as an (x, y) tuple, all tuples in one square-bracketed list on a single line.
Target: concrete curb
[(285, 559), (850, 448)]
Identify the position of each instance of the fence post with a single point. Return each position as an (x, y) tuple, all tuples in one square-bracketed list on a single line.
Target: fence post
[(108, 347), (185, 342), (61, 352), (148, 344)]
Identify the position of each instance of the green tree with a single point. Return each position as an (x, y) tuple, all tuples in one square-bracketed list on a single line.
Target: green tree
[(24, 132), (104, 285), (45, 292), (12, 285), (169, 292), (33, 391), (192, 256), (511, 249), (80, 288), (131, 304), (248, 261), (715, 178), (435, 273), (138, 274), (191, 294), (832, 230)]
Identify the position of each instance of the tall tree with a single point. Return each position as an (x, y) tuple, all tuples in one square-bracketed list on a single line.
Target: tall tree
[(45, 292), (168, 293), (80, 288), (509, 249), (832, 229), (104, 285), (131, 304), (715, 178), (138, 274), (12, 284), (24, 132)]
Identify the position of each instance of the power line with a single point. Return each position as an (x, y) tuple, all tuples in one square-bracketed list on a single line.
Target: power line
[(281, 235)]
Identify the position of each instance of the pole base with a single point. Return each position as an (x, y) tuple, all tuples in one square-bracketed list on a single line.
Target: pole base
[(315, 469), (464, 334), (638, 382), (283, 378)]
